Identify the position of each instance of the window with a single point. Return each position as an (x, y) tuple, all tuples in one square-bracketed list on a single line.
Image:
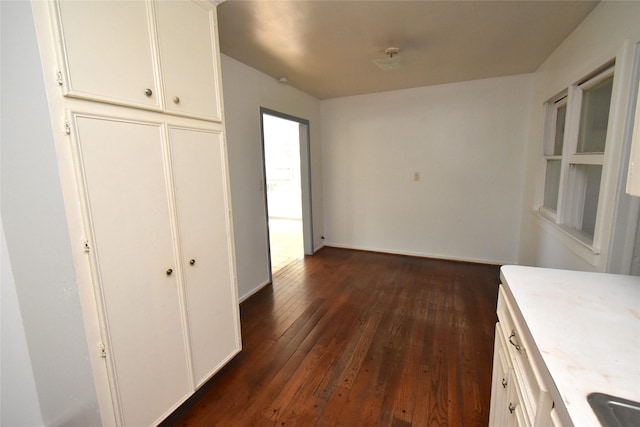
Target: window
[(575, 143), (553, 154)]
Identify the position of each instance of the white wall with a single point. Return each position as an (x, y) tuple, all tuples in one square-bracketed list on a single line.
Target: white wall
[(245, 91), (38, 245), (594, 42), (466, 140), (19, 404)]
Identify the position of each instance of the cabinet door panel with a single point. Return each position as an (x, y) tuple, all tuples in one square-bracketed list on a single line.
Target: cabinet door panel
[(555, 419), (133, 245), (108, 51), (186, 39), (500, 383), (203, 222)]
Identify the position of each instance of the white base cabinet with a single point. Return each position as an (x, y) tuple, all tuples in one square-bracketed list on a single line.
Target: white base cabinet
[(563, 335), (519, 395)]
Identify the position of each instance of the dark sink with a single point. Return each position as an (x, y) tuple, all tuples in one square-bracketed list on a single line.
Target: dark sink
[(614, 411)]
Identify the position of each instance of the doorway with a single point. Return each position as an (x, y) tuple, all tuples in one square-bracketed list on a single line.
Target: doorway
[(285, 145)]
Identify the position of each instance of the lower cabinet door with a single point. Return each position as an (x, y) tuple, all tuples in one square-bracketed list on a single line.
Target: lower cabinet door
[(500, 384), (554, 419), (199, 176), (517, 416), (122, 170)]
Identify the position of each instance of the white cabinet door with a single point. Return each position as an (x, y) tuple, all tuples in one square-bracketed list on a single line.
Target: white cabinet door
[(513, 409), (123, 172), (199, 175), (554, 419), (500, 383), (186, 39), (108, 52)]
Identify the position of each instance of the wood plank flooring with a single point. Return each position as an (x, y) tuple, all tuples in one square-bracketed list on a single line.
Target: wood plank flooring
[(350, 338)]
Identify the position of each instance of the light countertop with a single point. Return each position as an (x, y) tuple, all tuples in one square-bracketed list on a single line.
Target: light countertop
[(586, 327)]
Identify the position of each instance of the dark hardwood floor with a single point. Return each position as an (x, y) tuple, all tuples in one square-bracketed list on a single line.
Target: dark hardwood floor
[(350, 338)]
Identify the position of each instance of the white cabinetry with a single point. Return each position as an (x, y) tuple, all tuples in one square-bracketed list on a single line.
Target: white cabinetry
[(107, 52), (147, 196), (132, 248), (501, 392), (563, 326), (153, 55), (186, 38), (519, 395), (499, 382), (157, 215), (198, 164)]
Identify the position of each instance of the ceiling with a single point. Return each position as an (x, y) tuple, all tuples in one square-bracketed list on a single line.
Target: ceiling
[(326, 48)]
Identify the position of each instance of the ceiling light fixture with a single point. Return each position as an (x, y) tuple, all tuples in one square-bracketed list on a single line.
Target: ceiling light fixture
[(283, 80), (392, 51), (392, 61)]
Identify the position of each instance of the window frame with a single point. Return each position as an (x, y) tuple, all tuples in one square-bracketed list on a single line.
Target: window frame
[(552, 106), (572, 189)]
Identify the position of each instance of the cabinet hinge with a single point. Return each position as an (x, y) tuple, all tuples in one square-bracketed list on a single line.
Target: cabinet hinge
[(102, 351), (85, 247), (59, 78), (67, 128)]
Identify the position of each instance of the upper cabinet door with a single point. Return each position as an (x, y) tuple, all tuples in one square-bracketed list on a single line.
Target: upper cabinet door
[(108, 52), (189, 60)]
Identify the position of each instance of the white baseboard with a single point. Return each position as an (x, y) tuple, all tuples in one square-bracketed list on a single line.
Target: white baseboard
[(418, 254), (253, 291)]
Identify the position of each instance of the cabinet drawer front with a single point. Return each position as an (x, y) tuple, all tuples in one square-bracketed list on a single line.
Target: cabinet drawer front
[(533, 393)]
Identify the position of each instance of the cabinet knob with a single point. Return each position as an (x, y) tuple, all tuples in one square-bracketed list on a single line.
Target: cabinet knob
[(169, 272), (193, 261), (176, 100), (504, 383), (511, 408), (148, 92)]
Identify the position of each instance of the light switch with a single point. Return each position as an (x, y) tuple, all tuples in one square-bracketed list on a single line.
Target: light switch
[(416, 176)]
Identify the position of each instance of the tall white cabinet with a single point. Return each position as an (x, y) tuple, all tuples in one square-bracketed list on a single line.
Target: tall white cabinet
[(135, 95)]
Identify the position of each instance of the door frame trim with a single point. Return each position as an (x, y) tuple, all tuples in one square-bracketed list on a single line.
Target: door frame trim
[(305, 181)]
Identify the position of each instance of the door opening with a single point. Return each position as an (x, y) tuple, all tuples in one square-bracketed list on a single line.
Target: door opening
[(285, 144)]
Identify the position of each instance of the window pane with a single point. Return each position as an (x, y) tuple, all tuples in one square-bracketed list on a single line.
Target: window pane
[(587, 182), (551, 185), (561, 116), (594, 117)]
